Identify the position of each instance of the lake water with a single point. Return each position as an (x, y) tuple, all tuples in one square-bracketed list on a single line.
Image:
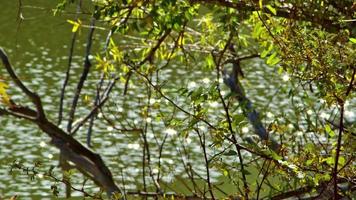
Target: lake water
[(38, 48)]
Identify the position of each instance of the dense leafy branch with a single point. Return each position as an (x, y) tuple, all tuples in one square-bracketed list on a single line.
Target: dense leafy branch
[(294, 10)]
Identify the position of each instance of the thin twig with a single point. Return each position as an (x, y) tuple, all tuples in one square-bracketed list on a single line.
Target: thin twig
[(69, 66), (226, 109), (157, 89), (105, 97), (83, 77), (339, 139), (96, 102), (203, 146)]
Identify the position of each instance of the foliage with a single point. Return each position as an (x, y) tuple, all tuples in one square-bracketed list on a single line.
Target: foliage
[(311, 41), (3, 94)]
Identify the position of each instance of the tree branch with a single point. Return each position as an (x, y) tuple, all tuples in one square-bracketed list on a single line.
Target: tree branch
[(84, 159), (33, 96), (83, 77), (233, 82), (292, 12), (70, 57)]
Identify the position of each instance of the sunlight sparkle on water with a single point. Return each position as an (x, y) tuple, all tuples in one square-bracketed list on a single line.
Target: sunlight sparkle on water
[(192, 85), (42, 144), (133, 146), (299, 133), (300, 175), (349, 114), (155, 171), (285, 77), (245, 129), (290, 126), (214, 104), (119, 109), (148, 119), (324, 115), (206, 81), (188, 140), (269, 115), (170, 131), (202, 128)]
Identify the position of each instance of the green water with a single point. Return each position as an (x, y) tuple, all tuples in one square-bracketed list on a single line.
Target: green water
[(38, 48)]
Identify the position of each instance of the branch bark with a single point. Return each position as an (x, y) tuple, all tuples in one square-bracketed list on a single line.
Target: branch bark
[(232, 81), (86, 161), (83, 77), (40, 114), (69, 66)]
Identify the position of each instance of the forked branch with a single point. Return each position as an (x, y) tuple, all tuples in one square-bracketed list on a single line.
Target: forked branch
[(86, 161)]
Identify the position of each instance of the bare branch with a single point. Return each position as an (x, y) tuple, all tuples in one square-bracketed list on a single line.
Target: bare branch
[(83, 77), (70, 57), (33, 96), (86, 161)]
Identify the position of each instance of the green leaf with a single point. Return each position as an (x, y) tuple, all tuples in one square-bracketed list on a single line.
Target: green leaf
[(209, 61), (353, 40), (246, 172), (260, 3), (330, 132), (264, 53), (238, 118), (257, 30), (341, 160), (270, 59), (273, 60), (330, 161), (267, 51), (273, 10), (230, 153), (226, 173), (309, 162), (193, 122), (276, 156)]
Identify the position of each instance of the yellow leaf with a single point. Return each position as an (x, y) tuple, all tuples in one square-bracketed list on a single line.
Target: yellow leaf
[(76, 25), (4, 97), (87, 99), (180, 41), (273, 10)]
